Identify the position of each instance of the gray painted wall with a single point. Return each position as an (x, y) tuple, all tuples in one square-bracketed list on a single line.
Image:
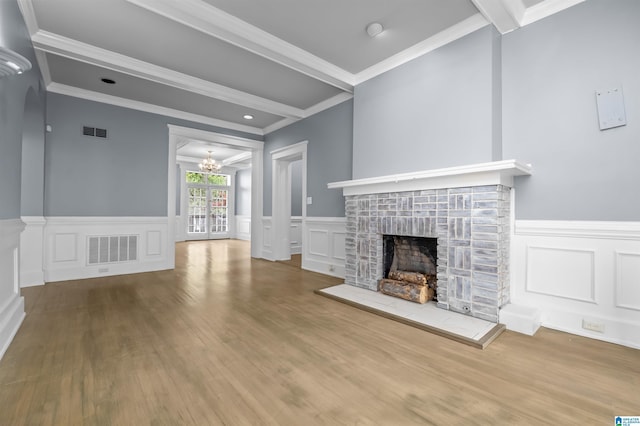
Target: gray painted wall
[(243, 192), (124, 175), (552, 69), (329, 157), (296, 188), (14, 92), (436, 111)]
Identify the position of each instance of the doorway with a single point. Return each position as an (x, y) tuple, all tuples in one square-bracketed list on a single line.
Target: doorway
[(281, 197), (179, 135), (208, 198)]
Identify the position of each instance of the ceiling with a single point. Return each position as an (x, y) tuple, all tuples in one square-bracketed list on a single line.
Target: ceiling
[(215, 61)]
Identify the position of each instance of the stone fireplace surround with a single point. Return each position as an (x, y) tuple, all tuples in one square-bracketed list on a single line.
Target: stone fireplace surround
[(468, 210)]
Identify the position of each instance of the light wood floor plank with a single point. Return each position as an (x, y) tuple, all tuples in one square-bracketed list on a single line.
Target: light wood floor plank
[(228, 340)]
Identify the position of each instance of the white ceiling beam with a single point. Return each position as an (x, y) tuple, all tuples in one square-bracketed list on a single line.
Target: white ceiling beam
[(239, 158), (546, 8), (223, 26), (63, 89), (87, 53), (499, 13)]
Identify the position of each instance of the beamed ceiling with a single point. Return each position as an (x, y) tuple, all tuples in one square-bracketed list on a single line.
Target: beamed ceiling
[(215, 61)]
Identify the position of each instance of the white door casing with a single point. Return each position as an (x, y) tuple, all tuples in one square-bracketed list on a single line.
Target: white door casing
[(178, 134), (281, 196)]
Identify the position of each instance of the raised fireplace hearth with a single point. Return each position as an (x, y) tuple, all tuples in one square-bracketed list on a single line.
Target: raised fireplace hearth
[(464, 210)]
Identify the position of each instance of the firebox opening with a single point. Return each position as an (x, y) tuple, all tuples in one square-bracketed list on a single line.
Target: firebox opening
[(410, 268)]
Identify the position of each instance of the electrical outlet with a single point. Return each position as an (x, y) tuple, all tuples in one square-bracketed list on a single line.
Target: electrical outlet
[(593, 326), (332, 268)]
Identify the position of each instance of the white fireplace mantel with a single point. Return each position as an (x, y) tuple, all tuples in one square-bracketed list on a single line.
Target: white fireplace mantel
[(494, 173)]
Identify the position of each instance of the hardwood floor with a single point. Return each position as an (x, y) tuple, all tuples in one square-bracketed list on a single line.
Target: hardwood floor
[(226, 339), (295, 261)]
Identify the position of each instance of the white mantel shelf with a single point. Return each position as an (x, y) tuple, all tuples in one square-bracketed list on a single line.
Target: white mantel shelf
[(494, 173)]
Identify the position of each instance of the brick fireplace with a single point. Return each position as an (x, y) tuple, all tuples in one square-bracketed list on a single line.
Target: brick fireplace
[(467, 211)]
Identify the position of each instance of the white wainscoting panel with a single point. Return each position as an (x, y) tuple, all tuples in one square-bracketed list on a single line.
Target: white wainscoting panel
[(561, 272), (323, 245), (243, 228), (628, 280), (318, 242), (154, 242), (295, 235), (32, 251), (66, 246), (11, 303), (267, 249), (582, 277)]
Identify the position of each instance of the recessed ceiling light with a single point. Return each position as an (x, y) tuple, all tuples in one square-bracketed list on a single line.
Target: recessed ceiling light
[(108, 81), (374, 29), (248, 117)]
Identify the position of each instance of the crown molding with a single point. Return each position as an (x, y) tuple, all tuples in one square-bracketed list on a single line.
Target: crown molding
[(221, 25), (319, 107), (278, 125), (29, 15), (41, 58), (327, 103), (145, 107), (459, 30), (76, 50), (546, 8)]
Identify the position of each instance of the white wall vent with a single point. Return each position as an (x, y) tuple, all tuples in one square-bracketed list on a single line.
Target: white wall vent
[(112, 249)]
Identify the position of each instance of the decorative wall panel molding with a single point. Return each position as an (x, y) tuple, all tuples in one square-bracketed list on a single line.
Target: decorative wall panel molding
[(243, 228), (11, 303), (324, 245), (561, 272), (295, 235), (267, 249), (628, 280), (32, 251), (68, 241), (583, 277)]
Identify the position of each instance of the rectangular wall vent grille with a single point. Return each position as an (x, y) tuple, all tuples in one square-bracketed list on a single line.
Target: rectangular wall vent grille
[(94, 131), (112, 249)]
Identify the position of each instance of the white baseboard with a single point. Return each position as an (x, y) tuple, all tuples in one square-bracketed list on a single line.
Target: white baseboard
[(66, 246), (324, 245), (580, 275), (11, 317), (11, 303)]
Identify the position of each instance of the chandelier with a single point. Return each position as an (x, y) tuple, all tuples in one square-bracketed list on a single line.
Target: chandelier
[(209, 165)]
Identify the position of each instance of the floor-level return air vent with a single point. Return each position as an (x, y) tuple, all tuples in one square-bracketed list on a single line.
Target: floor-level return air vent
[(112, 249)]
